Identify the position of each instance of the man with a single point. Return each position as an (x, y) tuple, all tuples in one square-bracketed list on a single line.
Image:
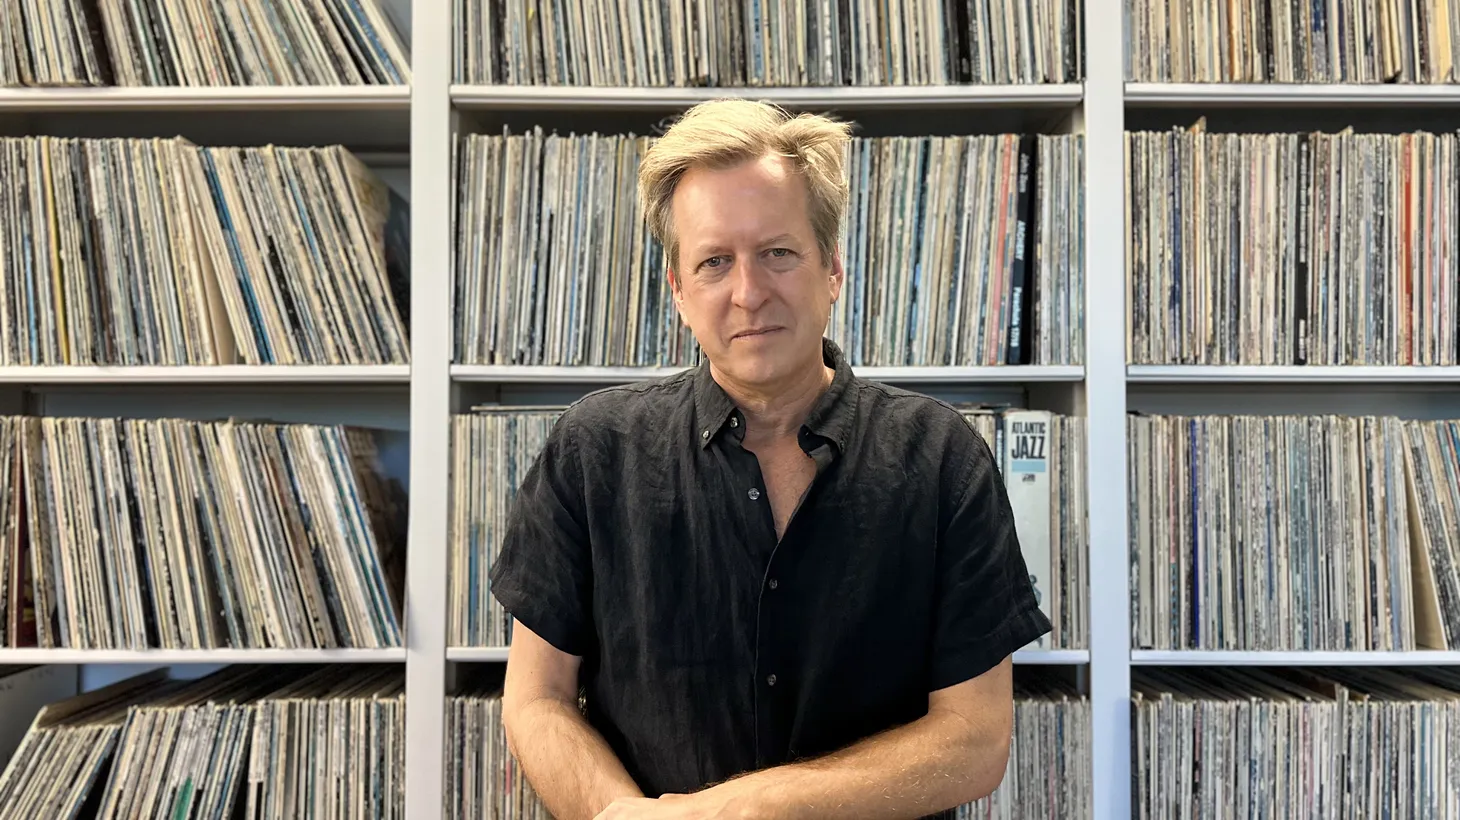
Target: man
[(785, 591)]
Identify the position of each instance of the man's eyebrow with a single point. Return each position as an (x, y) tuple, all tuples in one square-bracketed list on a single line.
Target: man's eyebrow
[(784, 237)]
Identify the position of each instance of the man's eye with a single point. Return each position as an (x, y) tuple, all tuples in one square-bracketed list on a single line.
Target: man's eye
[(712, 262), (780, 252)]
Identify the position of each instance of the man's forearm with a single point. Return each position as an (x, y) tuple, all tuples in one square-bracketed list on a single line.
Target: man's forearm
[(931, 764), (569, 764)]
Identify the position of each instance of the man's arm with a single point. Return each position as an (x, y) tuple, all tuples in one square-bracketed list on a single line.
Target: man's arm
[(568, 763), (955, 754)]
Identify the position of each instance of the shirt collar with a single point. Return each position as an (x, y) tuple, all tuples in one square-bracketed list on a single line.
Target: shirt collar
[(830, 418)]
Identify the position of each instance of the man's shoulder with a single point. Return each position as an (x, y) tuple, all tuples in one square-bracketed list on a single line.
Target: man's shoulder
[(637, 409), (908, 413)]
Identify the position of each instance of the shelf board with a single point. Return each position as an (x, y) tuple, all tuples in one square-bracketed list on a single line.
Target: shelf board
[(1277, 374), (198, 656), (1191, 657), (477, 654), (1051, 657), (206, 374), (1022, 657), (195, 98), (519, 97), (1287, 95), (511, 374)]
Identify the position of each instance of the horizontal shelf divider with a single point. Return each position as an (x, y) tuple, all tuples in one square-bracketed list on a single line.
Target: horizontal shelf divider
[(208, 98), (210, 374), (1192, 657), (201, 656), (503, 97), (511, 374), (1022, 657), (1281, 374), (1310, 95)]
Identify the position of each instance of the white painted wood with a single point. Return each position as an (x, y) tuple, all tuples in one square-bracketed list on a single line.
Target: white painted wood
[(1052, 657), (222, 374), (469, 97), (432, 195), (234, 98), (1226, 658), (1105, 393), (1246, 374), (1150, 95), (509, 374), (163, 657)]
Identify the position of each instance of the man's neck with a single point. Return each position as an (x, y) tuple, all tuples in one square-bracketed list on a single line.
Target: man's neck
[(774, 411)]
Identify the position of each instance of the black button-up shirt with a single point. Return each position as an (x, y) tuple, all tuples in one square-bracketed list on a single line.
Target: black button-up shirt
[(642, 539)]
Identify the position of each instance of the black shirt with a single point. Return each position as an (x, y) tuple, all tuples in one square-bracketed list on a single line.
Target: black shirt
[(642, 539)]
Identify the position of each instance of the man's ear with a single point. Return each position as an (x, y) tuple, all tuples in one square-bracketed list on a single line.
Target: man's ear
[(837, 276), (677, 291)]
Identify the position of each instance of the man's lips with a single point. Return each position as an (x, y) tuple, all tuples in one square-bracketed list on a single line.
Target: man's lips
[(750, 334)]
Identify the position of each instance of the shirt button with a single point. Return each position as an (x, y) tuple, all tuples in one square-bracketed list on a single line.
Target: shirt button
[(734, 422), (775, 583), (770, 680), (754, 494), (705, 435)]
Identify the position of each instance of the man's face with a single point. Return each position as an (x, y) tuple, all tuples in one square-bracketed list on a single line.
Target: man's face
[(750, 281)]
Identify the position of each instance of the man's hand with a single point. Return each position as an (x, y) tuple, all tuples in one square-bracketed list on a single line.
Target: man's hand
[(710, 804)]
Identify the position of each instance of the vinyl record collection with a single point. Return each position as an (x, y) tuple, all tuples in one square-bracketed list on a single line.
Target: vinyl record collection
[(1282, 41), (1319, 743), (957, 251), (1312, 248), (753, 43), (1048, 773), (492, 449), (270, 743), (1041, 455), (160, 252), (199, 43), (1294, 532), (174, 534)]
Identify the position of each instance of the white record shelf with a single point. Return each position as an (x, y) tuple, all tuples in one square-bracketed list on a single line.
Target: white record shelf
[(1193, 657), (1014, 374), (198, 656), (432, 105), (1024, 657)]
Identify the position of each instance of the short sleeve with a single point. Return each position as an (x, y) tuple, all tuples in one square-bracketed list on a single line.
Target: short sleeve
[(986, 606), (543, 575)]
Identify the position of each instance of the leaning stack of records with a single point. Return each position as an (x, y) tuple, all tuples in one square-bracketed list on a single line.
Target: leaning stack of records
[(199, 43), (281, 42), (1041, 458), (134, 534), (54, 43), (1048, 774), (159, 252), (1270, 533), (1432, 473), (331, 745), (491, 451), (274, 742), (747, 42), (957, 251), (483, 779), (65, 755), (1300, 743)]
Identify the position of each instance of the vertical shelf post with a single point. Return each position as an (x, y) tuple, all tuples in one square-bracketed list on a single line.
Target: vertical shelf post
[(432, 195), (1105, 184)]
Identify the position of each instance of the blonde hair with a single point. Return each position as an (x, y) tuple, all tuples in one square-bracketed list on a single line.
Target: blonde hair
[(725, 133)]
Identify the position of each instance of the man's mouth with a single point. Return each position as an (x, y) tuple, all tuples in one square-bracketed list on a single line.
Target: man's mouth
[(750, 334)]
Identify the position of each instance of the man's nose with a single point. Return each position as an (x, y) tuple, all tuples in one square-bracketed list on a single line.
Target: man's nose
[(751, 285)]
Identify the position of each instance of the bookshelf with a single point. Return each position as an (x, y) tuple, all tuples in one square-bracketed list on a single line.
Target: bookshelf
[(413, 129)]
